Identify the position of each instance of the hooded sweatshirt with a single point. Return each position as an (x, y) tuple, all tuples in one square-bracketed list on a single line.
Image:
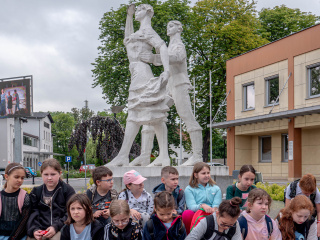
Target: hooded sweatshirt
[(161, 232), (258, 230), (182, 202)]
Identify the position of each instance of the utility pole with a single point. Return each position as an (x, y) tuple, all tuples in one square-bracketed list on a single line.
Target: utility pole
[(210, 119), (85, 157), (17, 157)]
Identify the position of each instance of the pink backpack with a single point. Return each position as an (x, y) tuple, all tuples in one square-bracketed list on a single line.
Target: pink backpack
[(21, 197)]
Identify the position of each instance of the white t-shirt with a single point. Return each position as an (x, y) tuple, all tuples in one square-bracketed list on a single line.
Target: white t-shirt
[(299, 192)]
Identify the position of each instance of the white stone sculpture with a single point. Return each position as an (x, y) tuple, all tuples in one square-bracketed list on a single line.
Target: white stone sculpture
[(148, 101), (178, 86)]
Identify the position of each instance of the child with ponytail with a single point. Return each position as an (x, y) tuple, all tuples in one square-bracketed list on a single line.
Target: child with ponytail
[(202, 193), (221, 225), (242, 188), (14, 204), (296, 220)]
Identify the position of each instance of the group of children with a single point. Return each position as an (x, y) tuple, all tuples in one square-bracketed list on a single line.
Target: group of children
[(54, 211)]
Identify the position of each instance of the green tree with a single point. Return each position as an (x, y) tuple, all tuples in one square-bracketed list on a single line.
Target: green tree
[(282, 21), (121, 117), (214, 31), (111, 68), (61, 130), (82, 114), (217, 31)]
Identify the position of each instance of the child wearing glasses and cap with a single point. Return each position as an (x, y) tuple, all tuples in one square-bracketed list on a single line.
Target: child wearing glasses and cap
[(101, 193), (139, 200)]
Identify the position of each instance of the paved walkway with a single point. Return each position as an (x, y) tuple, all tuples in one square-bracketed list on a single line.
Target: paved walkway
[(276, 206)]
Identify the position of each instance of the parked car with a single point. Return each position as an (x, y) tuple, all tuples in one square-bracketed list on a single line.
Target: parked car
[(30, 172), (215, 164), (87, 167)]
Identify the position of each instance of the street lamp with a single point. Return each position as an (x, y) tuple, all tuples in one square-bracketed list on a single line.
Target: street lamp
[(116, 109)]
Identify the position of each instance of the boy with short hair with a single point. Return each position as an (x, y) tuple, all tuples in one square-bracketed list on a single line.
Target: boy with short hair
[(101, 193), (170, 181)]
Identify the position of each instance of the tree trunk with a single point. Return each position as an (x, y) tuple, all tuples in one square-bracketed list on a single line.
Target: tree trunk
[(206, 145)]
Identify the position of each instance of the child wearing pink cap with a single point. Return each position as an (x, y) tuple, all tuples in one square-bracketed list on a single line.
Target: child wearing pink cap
[(139, 200)]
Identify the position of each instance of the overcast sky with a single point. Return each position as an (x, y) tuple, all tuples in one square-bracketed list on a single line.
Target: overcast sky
[(56, 42)]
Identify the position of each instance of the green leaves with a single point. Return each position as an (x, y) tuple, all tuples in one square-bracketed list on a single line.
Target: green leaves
[(214, 31), (282, 21)]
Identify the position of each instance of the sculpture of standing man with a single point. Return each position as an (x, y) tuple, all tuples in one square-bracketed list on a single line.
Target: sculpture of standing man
[(148, 101), (178, 86)]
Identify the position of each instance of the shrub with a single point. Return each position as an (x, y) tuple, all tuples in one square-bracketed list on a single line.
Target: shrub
[(38, 173), (275, 191), (27, 189), (76, 174)]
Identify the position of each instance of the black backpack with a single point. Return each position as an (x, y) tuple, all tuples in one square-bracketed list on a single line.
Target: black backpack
[(293, 192), (211, 229), (308, 224)]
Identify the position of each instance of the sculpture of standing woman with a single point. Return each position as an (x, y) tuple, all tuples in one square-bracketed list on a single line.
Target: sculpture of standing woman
[(178, 86), (148, 101)]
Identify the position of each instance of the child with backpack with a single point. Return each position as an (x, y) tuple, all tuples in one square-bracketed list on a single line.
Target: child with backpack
[(121, 226), (242, 188), (80, 223), (307, 186), (101, 193), (201, 193), (254, 223), (222, 224), (170, 180), (49, 203), (296, 220), (164, 224), (139, 200), (14, 204)]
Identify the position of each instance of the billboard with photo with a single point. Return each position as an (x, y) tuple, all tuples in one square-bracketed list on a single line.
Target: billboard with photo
[(16, 96)]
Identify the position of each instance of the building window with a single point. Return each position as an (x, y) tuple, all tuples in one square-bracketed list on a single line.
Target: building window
[(30, 141), (265, 149), (46, 125), (314, 80), (284, 147), (248, 96), (272, 89)]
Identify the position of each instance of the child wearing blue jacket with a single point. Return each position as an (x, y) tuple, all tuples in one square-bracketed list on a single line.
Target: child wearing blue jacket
[(202, 192), (164, 224)]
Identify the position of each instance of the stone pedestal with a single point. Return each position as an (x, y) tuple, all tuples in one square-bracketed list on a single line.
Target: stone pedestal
[(153, 175)]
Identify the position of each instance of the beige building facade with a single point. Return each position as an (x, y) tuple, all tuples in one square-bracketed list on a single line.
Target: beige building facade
[(280, 137)]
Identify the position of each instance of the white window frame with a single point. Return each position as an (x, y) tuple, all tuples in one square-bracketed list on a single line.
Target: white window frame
[(244, 94), (267, 84), (260, 149), (283, 147), (309, 67)]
